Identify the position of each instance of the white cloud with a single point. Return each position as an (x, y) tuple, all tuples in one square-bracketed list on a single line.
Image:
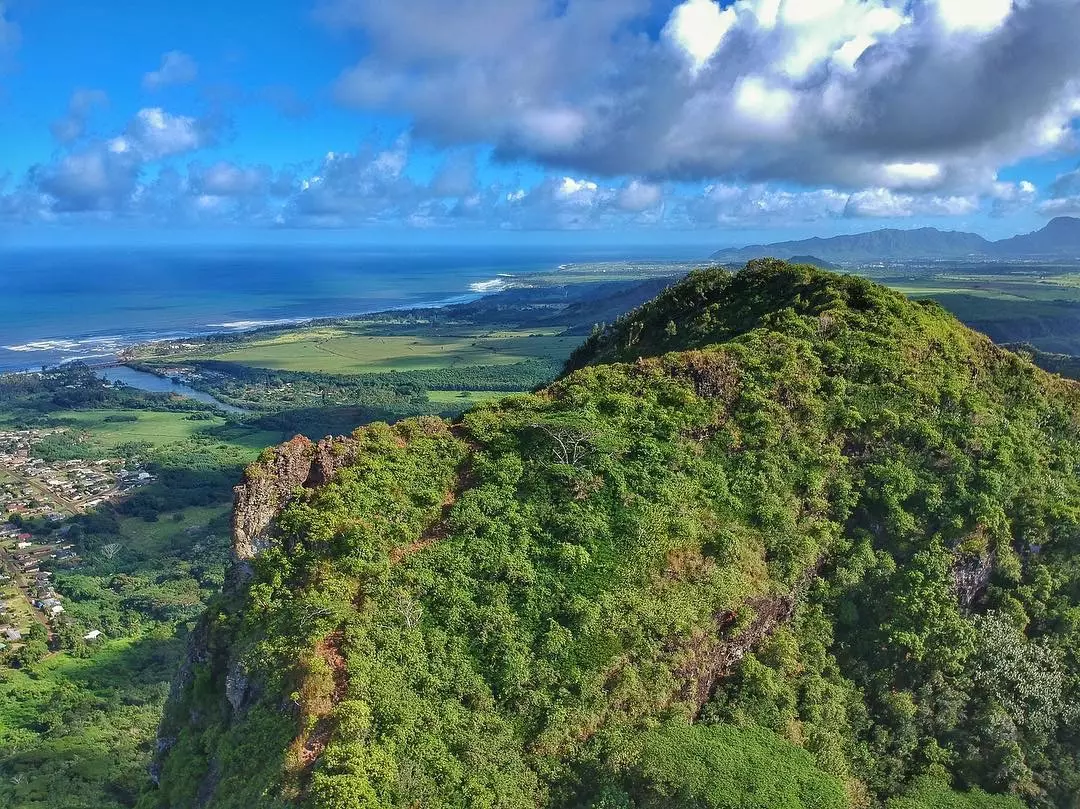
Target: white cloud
[(758, 102), (155, 133), (821, 93), (732, 205), (91, 179), (577, 193), (765, 12), (551, 129), (640, 196), (224, 179), (1064, 196), (911, 175), (887, 204), (698, 27), (1061, 206), (176, 68), (975, 16)]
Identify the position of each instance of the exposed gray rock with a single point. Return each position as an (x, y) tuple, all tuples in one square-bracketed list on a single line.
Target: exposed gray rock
[(277, 479), (237, 686), (971, 576)]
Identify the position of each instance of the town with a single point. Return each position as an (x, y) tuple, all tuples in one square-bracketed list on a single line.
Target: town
[(37, 496)]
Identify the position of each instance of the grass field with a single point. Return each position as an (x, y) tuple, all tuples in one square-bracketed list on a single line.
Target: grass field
[(356, 351), (154, 427), (462, 399), (161, 428), (150, 539)]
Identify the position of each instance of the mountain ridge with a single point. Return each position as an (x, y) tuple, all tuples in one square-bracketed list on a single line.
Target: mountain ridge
[(1059, 238), (713, 566)]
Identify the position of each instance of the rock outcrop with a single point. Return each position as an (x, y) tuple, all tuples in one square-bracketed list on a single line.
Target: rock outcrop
[(279, 477), (275, 480), (971, 576)]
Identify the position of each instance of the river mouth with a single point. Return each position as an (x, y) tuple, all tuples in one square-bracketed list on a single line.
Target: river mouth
[(153, 383)]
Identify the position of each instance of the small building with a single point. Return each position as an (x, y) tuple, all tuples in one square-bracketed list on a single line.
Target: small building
[(12, 635), (93, 634)]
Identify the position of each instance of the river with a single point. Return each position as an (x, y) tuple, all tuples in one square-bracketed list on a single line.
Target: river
[(159, 384)]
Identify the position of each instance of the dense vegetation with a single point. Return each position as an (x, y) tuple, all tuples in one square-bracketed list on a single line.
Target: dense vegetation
[(779, 538), (77, 717)]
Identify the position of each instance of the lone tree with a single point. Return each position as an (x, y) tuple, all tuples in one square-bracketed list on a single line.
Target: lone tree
[(572, 443)]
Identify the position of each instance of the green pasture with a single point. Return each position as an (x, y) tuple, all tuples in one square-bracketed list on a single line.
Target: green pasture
[(463, 398), (356, 351), (111, 428), (151, 426)]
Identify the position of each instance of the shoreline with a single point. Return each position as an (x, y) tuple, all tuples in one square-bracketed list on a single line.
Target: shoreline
[(501, 284), (223, 330)]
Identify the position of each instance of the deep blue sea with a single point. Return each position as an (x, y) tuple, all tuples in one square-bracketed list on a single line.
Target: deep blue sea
[(66, 304)]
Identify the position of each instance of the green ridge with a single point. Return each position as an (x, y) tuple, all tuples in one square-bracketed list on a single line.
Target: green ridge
[(778, 538)]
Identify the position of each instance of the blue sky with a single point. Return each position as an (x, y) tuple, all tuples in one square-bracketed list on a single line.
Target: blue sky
[(533, 120)]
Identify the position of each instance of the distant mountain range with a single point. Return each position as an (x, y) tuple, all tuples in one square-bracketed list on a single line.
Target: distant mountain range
[(1059, 239)]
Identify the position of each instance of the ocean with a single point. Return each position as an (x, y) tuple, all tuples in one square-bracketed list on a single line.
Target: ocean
[(61, 305)]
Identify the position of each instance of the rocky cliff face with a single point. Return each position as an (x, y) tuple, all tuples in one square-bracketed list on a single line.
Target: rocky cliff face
[(282, 475), (276, 479)]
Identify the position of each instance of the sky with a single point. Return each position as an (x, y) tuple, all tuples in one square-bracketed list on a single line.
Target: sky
[(539, 121)]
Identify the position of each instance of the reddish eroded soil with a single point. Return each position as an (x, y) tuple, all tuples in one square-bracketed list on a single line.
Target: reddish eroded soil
[(330, 650)]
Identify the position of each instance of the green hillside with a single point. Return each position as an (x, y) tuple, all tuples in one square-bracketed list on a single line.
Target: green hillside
[(779, 539)]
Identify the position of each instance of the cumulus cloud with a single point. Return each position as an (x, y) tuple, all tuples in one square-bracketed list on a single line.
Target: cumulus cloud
[(224, 179), (925, 95), (72, 126), (367, 187), (154, 133), (981, 17), (390, 185), (95, 178), (1008, 198), (106, 176), (640, 196), (176, 68), (886, 204), (1066, 185), (736, 205), (698, 28)]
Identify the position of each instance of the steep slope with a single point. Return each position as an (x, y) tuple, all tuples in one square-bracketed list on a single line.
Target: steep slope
[(778, 538), (1059, 239)]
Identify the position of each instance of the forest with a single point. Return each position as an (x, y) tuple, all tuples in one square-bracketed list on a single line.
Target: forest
[(778, 538)]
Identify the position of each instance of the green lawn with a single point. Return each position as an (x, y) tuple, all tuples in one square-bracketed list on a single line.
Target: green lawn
[(160, 428), (464, 398), (353, 351), (154, 427)]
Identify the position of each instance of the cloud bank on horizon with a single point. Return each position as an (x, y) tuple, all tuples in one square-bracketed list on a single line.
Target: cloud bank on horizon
[(577, 114)]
